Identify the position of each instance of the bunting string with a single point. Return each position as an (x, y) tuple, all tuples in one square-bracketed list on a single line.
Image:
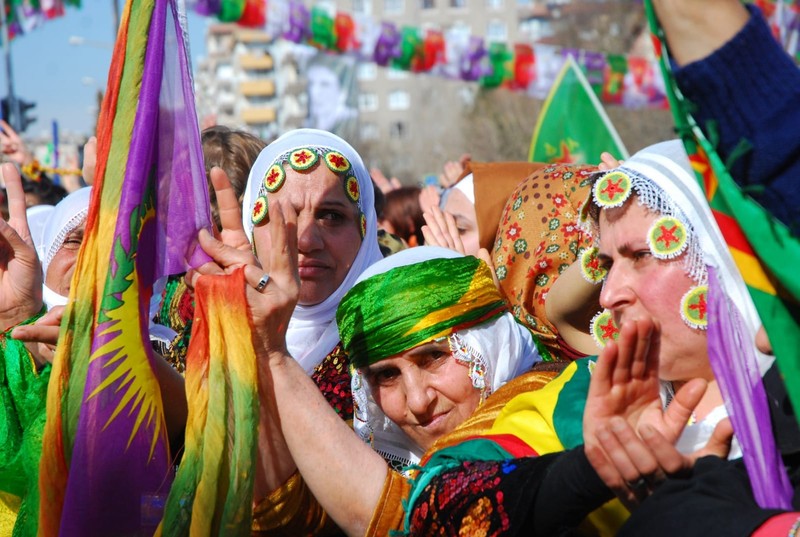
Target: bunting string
[(617, 79)]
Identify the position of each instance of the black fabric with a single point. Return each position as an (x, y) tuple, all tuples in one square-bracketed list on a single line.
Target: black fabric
[(716, 500)]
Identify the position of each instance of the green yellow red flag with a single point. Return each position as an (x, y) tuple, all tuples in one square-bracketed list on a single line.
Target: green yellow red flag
[(573, 126)]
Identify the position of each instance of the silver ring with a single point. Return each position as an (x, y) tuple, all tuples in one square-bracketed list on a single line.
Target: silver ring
[(639, 486), (262, 283)]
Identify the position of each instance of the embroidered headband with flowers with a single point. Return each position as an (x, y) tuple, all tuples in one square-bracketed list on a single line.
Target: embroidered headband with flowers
[(304, 159), (671, 236)]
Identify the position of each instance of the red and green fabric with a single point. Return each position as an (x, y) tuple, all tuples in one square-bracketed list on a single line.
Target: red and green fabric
[(765, 252), (410, 49), (572, 126), (501, 59), (614, 78)]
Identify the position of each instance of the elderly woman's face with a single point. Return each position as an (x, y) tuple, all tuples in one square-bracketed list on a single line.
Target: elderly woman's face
[(328, 236), (640, 285), (61, 267), (424, 391)]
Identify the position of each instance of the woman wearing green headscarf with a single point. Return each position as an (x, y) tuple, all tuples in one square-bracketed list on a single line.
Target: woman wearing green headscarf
[(430, 338)]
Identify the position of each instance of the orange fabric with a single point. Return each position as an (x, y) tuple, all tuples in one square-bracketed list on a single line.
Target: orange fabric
[(292, 510), (538, 239), (493, 183)]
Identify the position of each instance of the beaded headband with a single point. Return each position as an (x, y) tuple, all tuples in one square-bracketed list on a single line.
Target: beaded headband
[(670, 236), (304, 159)]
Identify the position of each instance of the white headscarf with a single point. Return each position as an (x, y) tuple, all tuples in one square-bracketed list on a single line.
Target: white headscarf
[(312, 332), (664, 181), (65, 217), (504, 348), (37, 219)]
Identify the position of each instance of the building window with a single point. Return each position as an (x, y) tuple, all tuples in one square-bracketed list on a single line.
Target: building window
[(399, 100), (393, 6), (362, 7), (367, 102), (458, 3), (369, 131), (496, 30), (367, 71), (398, 130), (494, 4), (427, 4), (396, 74)]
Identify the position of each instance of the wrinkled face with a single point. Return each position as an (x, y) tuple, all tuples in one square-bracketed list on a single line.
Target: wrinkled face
[(640, 285), (424, 391), (328, 236), (60, 269), (463, 211)]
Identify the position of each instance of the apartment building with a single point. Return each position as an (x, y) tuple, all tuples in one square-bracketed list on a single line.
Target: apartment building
[(235, 84)]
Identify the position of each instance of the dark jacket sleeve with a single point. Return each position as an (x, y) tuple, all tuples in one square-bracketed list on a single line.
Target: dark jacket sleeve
[(717, 500), (747, 94)]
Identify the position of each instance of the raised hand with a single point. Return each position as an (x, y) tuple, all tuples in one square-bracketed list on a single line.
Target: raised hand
[(383, 183), (89, 160), (13, 146), (624, 386), (441, 230), (272, 302), (629, 438), (42, 335), (696, 29), (608, 162), (20, 270), (429, 198)]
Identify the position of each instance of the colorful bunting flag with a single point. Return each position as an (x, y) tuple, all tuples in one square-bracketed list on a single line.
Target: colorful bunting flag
[(572, 126)]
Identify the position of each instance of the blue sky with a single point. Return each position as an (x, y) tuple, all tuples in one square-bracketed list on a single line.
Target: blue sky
[(61, 78)]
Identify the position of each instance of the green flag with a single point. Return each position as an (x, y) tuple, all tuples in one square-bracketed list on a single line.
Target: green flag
[(572, 126)]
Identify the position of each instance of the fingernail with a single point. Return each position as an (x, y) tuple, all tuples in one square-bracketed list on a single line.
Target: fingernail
[(646, 431)]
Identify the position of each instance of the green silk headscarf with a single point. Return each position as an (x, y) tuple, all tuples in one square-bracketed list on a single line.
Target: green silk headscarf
[(407, 306)]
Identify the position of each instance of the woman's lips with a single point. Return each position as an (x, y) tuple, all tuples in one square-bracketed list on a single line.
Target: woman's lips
[(311, 269)]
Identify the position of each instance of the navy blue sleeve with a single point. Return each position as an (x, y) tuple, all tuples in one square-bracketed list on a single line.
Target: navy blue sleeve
[(749, 90)]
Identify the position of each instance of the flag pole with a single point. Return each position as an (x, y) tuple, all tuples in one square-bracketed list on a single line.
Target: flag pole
[(13, 104)]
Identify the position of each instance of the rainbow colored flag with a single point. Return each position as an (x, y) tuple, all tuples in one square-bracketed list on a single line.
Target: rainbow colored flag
[(765, 253), (106, 467)]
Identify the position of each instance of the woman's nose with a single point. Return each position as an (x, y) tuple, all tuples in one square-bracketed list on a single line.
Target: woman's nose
[(309, 237), (617, 291), (419, 394)]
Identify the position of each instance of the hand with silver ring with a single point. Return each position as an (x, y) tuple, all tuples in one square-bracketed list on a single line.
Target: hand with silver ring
[(638, 487), (262, 283)]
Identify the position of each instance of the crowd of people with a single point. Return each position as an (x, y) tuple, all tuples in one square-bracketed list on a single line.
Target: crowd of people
[(526, 354)]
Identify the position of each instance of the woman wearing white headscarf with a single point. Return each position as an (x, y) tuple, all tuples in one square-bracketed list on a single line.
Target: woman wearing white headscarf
[(323, 180), (312, 333), (61, 239)]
